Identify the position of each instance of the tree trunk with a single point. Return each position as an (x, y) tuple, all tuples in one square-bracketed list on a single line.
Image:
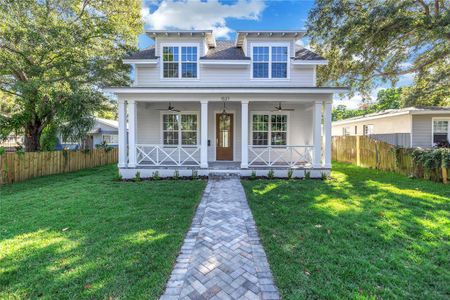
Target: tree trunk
[(32, 136)]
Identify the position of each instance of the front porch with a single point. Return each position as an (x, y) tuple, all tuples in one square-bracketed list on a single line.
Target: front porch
[(247, 137)]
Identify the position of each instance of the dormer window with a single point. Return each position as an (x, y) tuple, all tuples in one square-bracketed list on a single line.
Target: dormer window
[(270, 61), (179, 66)]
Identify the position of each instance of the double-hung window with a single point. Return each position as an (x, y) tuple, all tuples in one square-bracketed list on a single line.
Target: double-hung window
[(180, 129), (269, 129), (367, 129), (110, 139), (180, 61), (441, 133), (270, 62)]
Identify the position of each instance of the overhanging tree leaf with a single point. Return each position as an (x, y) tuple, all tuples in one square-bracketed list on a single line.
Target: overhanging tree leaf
[(56, 54), (369, 43)]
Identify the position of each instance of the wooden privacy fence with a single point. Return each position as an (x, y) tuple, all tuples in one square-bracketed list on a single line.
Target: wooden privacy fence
[(366, 152), (15, 167)]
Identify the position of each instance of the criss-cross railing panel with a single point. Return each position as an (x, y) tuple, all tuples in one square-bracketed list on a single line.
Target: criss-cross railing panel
[(163, 155), (280, 156)]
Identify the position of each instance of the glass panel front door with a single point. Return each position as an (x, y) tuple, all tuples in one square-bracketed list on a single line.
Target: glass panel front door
[(224, 136)]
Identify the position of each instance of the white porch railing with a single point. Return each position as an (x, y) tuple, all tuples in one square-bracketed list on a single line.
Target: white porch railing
[(280, 156), (165, 155)]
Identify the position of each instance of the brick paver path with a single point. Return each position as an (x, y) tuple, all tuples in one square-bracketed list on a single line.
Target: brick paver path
[(222, 257)]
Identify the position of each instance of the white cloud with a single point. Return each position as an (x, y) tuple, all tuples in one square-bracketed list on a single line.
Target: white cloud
[(356, 100), (195, 14)]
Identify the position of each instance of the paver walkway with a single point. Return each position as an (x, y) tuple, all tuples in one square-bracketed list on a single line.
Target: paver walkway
[(222, 257)]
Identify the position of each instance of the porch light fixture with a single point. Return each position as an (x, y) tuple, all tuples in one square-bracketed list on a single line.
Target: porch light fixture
[(224, 111)]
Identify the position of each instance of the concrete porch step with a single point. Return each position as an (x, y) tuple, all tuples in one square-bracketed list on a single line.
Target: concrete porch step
[(223, 175)]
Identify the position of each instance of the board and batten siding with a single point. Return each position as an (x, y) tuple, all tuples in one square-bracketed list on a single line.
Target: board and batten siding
[(149, 128)]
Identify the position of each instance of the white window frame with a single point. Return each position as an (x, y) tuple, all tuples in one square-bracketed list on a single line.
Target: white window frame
[(161, 120), (366, 126), (432, 127), (179, 45), (270, 45), (269, 138), (345, 131), (114, 144)]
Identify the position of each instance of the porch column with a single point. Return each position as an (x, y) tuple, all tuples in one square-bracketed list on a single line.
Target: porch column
[(244, 134), (327, 133), (122, 134), (131, 133), (317, 139), (204, 134)]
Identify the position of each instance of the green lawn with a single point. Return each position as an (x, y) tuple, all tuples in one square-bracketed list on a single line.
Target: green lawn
[(85, 236), (362, 234)]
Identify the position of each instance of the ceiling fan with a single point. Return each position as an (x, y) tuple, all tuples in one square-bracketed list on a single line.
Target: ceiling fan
[(170, 108), (279, 108)]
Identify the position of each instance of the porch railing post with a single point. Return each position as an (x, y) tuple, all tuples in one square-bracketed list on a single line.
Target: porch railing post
[(132, 133), (244, 134), (327, 133), (122, 134), (317, 134), (204, 134)]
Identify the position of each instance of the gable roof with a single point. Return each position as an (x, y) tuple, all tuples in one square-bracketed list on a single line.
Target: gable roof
[(148, 53), (415, 110), (305, 54), (226, 50), (107, 122)]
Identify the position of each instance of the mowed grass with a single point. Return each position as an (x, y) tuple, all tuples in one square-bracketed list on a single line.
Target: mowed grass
[(85, 236), (363, 234)]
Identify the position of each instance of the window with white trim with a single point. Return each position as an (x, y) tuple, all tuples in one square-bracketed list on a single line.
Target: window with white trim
[(269, 129), (270, 61), (367, 129), (345, 130), (440, 131), (110, 139), (180, 129), (180, 66)]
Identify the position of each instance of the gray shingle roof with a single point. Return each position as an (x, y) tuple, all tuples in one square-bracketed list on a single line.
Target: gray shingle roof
[(225, 50), (148, 53), (305, 54)]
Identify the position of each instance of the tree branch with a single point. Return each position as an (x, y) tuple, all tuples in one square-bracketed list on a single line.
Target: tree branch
[(436, 7), (425, 6)]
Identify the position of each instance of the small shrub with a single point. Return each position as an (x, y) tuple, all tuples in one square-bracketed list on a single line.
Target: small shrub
[(323, 175), (307, 175), (155, 176), (194, 174), (20, 151), (176, 175), (2, 151), (118, 177), (253, 175), (270, 174), (137, 177), (104, 146), (290, 173)]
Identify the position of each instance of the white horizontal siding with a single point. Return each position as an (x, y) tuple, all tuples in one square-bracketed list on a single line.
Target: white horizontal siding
[(149, 123), (225, 76)]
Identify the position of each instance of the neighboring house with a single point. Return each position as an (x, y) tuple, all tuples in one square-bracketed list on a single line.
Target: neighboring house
[(406, 127), (240, 106), (104, 130)]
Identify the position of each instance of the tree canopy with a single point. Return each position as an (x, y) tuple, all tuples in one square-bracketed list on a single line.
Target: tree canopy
[(369, 43), (55, 55)]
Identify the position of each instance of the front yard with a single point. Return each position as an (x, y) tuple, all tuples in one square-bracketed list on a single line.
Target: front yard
[(85, 236), (362, 234)]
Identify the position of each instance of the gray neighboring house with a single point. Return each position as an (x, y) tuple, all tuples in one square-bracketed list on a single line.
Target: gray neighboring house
[(406, 127), (104, 130)]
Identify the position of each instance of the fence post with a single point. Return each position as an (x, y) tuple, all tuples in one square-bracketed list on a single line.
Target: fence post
[(444, 175), (358, 151)]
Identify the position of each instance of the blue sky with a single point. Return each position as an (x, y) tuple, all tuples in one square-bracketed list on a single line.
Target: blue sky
[(226, 16)]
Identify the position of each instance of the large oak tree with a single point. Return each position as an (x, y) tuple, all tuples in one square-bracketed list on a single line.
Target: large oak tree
[(55, 55), (369, 43)]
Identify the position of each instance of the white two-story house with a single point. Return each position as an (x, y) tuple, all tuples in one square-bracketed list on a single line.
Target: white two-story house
[(248, 105)]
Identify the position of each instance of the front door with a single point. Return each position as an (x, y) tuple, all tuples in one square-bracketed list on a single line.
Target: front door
[(224, 136)]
